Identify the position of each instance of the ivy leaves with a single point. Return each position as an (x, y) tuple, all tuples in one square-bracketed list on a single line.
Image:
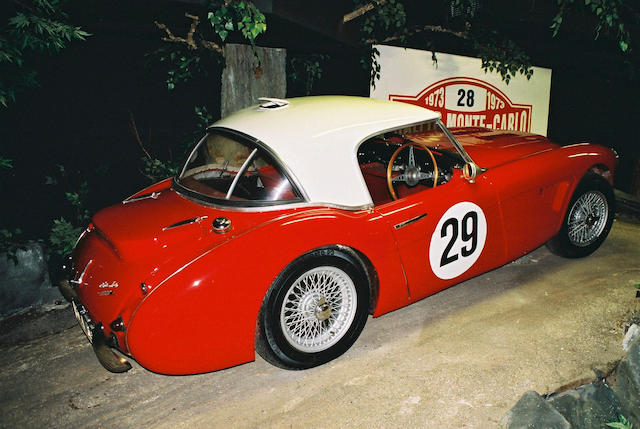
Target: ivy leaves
[(608, 16), (240, 16), (190, 56), (36, 28), (503, 56), (42, 33), (387, 18)]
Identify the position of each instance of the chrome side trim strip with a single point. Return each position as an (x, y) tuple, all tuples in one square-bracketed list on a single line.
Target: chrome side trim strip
[(410, 221)]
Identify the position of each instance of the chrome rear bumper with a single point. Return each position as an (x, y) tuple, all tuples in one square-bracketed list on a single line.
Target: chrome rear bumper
[(101, 347)]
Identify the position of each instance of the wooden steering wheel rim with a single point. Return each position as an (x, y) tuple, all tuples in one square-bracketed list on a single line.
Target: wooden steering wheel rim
[(393, 159)]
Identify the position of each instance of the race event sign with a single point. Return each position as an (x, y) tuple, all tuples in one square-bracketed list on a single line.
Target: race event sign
[(462, 92)]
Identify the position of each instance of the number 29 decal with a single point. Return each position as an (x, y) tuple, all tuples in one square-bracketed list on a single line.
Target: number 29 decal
[(458, 240)]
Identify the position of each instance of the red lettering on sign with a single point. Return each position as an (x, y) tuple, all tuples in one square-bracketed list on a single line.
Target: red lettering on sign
[(469, 102)]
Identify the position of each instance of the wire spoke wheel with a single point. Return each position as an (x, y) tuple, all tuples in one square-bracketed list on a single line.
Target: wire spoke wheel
[(318, 309), (588, 218), (315, 309)]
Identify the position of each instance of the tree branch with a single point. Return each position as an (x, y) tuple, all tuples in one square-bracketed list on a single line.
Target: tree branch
[(134, 130), (189, 40), (433, 28), (361, 11)]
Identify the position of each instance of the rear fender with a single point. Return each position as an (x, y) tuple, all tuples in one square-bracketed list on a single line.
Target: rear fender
[(203, 317)]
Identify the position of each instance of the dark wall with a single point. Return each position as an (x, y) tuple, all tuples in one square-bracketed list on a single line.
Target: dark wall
[(80, 115), (596, 101)]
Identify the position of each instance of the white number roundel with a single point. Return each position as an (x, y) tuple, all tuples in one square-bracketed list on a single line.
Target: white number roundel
[(458, 240)]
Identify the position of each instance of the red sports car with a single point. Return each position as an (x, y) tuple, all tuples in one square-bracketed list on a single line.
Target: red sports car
[(294, 220)]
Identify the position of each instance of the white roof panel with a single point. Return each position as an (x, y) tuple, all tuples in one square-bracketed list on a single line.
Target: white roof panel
[(317, 139)]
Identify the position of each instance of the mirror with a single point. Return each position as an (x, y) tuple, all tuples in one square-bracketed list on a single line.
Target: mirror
[(470, 171)]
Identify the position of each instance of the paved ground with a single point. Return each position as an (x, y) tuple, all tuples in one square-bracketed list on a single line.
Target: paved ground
[(461, 358)]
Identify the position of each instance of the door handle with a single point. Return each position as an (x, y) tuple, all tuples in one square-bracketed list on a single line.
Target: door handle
[(409, 221)]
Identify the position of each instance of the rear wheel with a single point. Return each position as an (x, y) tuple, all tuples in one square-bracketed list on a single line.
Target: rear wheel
[(314, 311), (588, 219)]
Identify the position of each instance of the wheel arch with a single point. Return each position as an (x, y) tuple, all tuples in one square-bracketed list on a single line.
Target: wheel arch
[(603, 171), (365, 265), (265, 339)]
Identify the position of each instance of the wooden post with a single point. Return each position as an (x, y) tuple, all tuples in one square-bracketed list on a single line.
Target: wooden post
[(243, 81)]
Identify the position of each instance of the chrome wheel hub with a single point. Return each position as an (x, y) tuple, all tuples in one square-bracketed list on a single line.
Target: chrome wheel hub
[(587, 218), (318, 309), (412, 175)]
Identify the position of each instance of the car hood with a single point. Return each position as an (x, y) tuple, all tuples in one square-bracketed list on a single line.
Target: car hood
[(491, 148)]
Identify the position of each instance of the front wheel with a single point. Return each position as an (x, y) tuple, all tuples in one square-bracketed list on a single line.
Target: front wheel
[(588, 219), (314, 311)]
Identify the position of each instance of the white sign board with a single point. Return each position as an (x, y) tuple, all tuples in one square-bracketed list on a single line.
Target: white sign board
[(462, 92)]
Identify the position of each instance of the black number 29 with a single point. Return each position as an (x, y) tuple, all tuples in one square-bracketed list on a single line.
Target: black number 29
[(468, 233)]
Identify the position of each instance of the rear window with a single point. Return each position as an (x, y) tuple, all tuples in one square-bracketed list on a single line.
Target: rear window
[(228, 169)]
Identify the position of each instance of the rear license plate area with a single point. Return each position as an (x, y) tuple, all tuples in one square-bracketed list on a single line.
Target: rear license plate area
[(85, 322)]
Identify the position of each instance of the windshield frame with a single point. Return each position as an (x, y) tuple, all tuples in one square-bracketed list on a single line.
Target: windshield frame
[(254, 146), (463, 153)]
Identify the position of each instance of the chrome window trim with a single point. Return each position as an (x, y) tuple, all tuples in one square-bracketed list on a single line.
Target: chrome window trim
[(278, 205)]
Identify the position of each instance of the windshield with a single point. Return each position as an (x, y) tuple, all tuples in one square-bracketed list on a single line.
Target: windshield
[(433, 135), (225, 168)]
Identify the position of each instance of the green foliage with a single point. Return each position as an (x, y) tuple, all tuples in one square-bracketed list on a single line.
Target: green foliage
[(156, 169), (228, 16), (609, 15), (387, 20), (477, 28), (5, 163), (305, 70), (63, 237), (182, 64), (190, 57), (503, 56), (36, 28), (237, 15), (370, 62), (203, 120), (64, 232), (622, 423), (10, 243)]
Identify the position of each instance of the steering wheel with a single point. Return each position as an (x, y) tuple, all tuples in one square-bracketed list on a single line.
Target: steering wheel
[(412, 174)]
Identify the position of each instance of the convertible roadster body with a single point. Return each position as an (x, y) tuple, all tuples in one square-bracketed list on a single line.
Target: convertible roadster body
[(294, 220)]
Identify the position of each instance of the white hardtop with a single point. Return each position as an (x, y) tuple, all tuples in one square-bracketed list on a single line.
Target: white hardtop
[(316, 138)]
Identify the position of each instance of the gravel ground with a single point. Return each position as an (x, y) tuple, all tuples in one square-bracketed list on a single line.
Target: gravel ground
[(460, 358)]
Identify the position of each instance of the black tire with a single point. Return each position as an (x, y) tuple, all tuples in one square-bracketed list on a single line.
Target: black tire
[(318, 291), (588, 219)]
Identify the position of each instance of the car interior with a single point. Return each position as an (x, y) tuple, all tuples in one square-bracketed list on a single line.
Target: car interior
[(397, 164)]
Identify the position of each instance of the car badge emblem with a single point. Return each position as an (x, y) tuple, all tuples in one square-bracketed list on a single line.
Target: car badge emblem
[(114, 284)]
